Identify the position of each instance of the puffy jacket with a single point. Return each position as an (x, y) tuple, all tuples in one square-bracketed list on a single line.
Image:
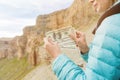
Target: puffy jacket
[(103, 58)]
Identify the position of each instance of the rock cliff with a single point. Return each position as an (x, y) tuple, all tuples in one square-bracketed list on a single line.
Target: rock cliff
[(77, 15)]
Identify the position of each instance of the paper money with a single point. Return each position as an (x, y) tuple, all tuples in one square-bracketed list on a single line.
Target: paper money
[(61, 36)]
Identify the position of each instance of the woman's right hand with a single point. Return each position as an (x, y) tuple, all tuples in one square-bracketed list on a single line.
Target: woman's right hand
[(80, 40)]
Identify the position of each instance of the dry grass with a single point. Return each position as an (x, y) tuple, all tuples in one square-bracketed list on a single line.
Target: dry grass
[(13, 69)]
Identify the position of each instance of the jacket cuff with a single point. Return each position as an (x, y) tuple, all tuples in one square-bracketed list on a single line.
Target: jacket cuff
[(85, 55)]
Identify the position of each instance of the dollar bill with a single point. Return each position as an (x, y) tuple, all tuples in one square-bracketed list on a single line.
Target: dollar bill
[(61, 36)]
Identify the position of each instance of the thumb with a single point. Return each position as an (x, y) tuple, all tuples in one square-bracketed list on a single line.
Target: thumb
[(45, 42)]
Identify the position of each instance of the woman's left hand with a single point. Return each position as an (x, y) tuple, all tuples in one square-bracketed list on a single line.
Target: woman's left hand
[(52, 47)]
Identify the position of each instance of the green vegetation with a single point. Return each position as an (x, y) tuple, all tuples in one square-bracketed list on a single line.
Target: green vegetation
[(14, 69)]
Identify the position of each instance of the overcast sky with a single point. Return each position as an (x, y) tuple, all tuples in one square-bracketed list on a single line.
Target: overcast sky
[(16, 14)]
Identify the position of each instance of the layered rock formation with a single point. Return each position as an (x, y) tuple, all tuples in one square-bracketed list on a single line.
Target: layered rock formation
[(79, 13), (5, 49)]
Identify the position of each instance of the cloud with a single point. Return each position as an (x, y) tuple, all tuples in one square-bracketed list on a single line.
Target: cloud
[(13, 27), (9, 34), (16, 14)]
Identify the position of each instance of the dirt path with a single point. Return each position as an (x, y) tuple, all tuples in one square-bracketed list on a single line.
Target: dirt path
[(45, 72), (41, 73)]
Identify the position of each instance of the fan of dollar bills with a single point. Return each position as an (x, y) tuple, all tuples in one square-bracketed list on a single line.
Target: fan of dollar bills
[(61, 36)]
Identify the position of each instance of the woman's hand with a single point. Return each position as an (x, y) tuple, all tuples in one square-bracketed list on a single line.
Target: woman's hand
[(52, 47), (80, 41)]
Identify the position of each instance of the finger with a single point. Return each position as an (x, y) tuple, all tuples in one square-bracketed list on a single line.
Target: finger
[(78, 34), (72, 36), (50, 41), (46, 42), (76, 45)]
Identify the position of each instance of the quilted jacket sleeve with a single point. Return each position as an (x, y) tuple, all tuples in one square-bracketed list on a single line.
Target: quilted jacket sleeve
[(65, 69), (104, 56)]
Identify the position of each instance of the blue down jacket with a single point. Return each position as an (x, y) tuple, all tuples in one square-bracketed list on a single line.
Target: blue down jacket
[(103, 58)]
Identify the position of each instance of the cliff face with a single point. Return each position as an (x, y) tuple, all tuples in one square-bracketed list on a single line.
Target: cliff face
[(78, 15)]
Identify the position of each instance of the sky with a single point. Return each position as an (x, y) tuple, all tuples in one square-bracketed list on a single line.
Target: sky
[(16, 14)]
